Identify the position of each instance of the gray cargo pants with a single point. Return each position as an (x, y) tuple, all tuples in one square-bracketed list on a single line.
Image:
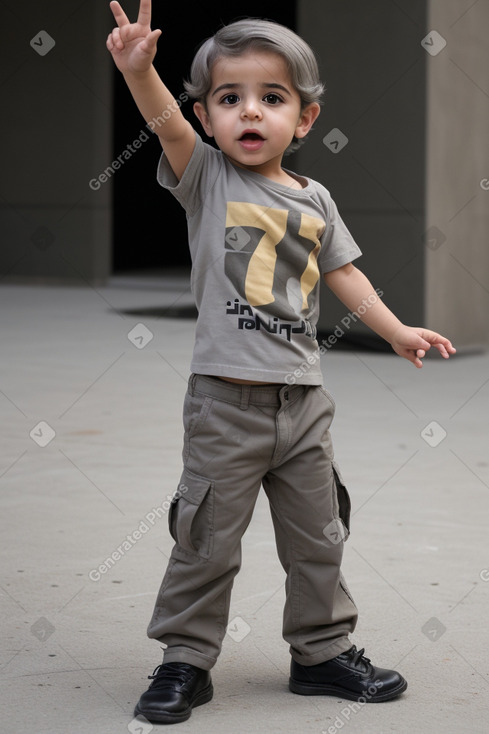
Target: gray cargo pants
[(237, 438)]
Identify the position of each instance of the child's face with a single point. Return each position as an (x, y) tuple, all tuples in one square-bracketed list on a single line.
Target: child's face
[(252, 109)]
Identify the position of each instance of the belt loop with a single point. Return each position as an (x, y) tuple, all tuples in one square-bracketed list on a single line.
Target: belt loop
[(191, 384), (245, 397)]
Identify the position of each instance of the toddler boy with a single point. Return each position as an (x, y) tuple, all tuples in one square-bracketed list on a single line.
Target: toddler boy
[(260, 238)]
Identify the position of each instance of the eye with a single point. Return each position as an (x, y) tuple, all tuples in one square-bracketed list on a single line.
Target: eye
[(230, 99), (272, 98)]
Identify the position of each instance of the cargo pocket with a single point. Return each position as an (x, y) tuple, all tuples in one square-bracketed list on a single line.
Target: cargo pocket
[(191, 515), (342, 504)]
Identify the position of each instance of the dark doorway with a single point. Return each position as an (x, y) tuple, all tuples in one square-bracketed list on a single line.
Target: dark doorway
[(149, 225)]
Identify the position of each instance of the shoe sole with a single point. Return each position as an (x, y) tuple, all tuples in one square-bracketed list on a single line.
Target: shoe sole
[(318, 689), (166, 717)]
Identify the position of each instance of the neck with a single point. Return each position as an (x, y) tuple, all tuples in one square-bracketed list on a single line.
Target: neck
[(272, 170)]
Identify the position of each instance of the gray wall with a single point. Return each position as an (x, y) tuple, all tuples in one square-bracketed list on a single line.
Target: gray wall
[(416, 124), (374, 73), (457, 172), (58, 123)]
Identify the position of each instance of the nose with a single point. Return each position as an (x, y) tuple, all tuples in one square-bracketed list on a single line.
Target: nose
[(251, 109)]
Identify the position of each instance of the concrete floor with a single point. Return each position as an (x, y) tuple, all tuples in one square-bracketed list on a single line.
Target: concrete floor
[(91, 440)]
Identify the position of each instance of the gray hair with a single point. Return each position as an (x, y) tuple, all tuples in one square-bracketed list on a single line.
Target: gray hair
[(256, 34)]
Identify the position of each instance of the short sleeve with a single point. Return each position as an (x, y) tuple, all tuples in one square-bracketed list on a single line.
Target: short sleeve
[(202, 170), (338, 246)]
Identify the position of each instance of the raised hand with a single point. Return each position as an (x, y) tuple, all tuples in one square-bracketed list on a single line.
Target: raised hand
[(133, 45)]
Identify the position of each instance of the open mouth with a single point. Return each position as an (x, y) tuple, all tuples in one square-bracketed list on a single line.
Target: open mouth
[(251, 136), (251, 140)]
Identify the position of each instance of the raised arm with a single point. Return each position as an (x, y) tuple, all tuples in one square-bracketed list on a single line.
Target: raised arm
[(133, 48), (357, 293)]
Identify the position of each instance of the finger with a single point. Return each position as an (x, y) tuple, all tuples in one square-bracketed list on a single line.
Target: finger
[(437, 339), (144, 16), (416, 357), (423, 343), (412, 356), (113, 42), (149, 43), (441, 343), (119, 15), (117, 40), (443, 350), (447, 346)]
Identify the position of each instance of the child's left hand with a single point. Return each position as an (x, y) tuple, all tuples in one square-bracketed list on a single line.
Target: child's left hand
[(412, 343)]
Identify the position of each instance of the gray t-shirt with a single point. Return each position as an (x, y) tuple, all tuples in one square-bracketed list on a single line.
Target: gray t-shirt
[(258, 250)]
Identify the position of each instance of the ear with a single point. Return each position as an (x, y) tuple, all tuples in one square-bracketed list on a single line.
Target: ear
[(201, 113), (308, 117)]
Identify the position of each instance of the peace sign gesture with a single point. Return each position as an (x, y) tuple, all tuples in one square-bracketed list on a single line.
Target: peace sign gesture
[(133, 45)]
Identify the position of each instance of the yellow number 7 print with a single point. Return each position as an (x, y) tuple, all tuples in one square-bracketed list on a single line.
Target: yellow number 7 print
[(262, 265)]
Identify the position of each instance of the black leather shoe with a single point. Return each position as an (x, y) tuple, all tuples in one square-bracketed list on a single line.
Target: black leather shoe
[(175, 690), (349, 675)]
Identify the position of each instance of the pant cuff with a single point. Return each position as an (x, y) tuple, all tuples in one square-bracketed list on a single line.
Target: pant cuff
[(180, 654), (327, 653)]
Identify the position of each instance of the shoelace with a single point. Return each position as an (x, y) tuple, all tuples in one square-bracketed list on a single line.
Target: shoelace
[(357, 657), (164, 675)]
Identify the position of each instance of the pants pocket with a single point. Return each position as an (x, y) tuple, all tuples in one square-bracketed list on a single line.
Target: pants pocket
[(195, 411), (342, 503), (191, 515)]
